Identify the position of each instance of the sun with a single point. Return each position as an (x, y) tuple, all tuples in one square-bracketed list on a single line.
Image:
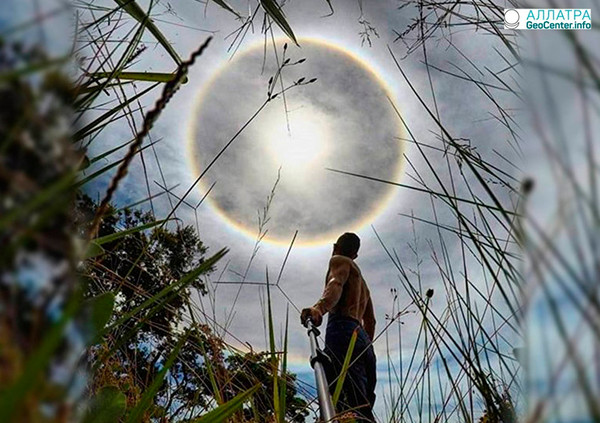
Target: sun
[(298, 143)]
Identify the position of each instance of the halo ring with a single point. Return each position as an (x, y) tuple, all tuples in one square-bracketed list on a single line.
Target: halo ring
[(331, 234)]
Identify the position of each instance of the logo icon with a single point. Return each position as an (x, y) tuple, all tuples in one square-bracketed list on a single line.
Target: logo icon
[(511, 19)]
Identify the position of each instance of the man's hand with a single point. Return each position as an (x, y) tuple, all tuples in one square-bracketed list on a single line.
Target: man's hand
[(313, 314)]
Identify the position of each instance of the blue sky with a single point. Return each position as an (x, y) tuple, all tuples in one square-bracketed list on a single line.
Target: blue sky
[(463, 108)]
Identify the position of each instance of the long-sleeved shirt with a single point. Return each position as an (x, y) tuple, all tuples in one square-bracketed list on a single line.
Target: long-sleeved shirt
[(347, 294)]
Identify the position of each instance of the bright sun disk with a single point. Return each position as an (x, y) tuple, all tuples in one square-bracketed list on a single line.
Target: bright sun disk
[(303, 147)]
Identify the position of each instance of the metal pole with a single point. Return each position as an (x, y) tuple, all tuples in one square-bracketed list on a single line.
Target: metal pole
[(317, 358)]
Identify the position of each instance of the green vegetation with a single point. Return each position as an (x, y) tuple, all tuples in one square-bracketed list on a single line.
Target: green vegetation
[(98, 319)]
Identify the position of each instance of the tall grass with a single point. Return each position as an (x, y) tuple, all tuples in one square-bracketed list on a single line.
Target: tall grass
[(497, 264)]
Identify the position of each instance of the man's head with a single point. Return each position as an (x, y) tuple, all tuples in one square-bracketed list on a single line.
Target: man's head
[(347, 245)]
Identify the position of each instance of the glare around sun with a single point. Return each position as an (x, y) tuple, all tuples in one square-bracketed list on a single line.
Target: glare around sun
[(303, 147)]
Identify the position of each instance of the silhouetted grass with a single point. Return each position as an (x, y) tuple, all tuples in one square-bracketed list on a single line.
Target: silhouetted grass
[(493, 258)]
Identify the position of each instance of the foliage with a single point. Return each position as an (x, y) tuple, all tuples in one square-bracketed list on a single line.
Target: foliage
[(138, 359), (135, 324), (139, 265), (249, 368), (38, 287)]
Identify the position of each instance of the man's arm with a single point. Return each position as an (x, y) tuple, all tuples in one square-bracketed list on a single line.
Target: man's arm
[(369, 320), (339, 271)]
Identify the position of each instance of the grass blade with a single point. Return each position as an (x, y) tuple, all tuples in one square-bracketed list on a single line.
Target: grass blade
[(227, 7), (107, 406), (136, 12), (139, 76), (345, 366), (118, 235), (274, 359), (222, 412), (283, 389), (101, 307), (272, 8)]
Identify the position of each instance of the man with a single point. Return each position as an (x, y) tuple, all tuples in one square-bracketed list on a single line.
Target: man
[(347, 300)]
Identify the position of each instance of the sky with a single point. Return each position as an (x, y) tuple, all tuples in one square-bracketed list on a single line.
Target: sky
[(345, 121), (329, 124)]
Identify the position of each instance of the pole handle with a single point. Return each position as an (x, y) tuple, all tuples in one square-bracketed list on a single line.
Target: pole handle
[(312, 329), (318, 360)]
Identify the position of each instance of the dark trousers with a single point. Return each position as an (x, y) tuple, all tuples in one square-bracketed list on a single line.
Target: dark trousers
[(358, 391)]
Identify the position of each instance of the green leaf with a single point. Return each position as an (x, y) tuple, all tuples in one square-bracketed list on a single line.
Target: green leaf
[(344, 371), (107, 406), (110, 151), (81, 90), (211, 376), (283, 388), (118, 235), (222, 412), (270, 317), (135, 11), (227, 7), (108, 167), (272, 8), (274, 361), (101, 307), (93, 250), (140, 76)]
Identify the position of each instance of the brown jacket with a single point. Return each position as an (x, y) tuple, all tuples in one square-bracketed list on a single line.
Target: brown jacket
[(347, 294)]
